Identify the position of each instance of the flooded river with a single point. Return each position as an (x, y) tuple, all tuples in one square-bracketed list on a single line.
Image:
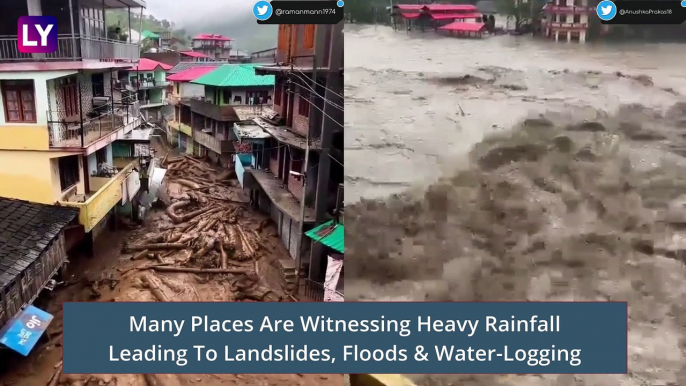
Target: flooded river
[(584, 202), (404, 125)]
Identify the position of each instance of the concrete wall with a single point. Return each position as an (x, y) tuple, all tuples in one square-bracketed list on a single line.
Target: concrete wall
[(29, 136), (189, 90)]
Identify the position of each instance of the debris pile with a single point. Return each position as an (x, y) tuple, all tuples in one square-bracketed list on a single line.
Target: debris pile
[(207, 235)]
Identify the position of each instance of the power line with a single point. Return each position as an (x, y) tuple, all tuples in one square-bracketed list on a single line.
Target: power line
[(322, 111), (304, 84), (319, 84)]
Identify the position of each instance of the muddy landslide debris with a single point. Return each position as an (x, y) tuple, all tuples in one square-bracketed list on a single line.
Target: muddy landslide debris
[(553, 210)]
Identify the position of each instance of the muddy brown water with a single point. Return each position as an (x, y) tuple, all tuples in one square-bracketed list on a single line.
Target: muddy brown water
[(515, 170)]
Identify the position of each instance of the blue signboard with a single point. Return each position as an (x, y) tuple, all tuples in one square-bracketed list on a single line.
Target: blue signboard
[(24, 330)]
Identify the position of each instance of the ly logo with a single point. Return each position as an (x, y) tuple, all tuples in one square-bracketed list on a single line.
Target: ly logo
[(37, 34)]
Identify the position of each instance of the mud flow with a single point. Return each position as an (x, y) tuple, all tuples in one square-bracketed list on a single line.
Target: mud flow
[(555, 209)]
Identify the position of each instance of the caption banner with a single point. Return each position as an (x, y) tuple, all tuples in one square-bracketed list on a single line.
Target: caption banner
[(370, 337)]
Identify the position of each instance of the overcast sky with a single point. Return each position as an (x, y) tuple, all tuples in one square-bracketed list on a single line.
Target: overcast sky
[(194, 11)]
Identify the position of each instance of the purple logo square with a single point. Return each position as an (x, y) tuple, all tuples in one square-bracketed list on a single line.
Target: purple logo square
[(37, 34)]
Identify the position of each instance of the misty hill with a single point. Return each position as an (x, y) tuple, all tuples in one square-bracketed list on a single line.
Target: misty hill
[(248, 35)]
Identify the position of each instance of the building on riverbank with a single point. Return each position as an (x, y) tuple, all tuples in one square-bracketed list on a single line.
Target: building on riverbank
[(567, 20)]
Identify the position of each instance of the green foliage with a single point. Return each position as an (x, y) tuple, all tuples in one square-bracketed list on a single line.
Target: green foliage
[(517, 10), (120, 18)]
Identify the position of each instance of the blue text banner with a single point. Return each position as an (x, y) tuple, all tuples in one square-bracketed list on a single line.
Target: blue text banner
[(370, 337)]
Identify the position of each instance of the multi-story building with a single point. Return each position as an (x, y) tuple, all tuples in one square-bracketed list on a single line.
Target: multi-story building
[(60, 113), (217, 47), (567, 20), (148, 82), (232, 93), (295, 173), (180, 133)]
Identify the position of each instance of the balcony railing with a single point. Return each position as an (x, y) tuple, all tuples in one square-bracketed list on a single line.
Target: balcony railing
[(149, 84), (96, 207), (217, 145), (68, 48), (79, 132), (214, 111), (570, 9), (315, 291), (151, 102)]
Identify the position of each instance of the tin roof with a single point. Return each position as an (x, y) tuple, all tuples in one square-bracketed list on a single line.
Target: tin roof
[(149, 35), (193, 54), (330, 234), (235, 75), (463, 27), (211, 37), (146, 64), (26, 230), (190, 74), (183, 66)]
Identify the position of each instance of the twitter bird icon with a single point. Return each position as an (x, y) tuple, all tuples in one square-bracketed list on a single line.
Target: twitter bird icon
[(607, 10), (262, 10)]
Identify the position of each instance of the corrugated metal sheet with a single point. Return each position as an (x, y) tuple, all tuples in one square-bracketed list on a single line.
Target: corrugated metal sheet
[(235, 75), (329, 234)]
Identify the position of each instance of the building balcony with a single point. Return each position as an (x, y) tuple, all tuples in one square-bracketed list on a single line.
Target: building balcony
[(217, 145), (568, 9), (242, 165), (214, 111), (149, 84), (71, 49), (152, 102), (105, 194), (182, 127), (566, 26), (81, 131), (280, 196)]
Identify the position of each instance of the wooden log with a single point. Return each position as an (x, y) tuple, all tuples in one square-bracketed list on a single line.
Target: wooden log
[(225, 258), (155, 247), (154, 289), (187, 183), (201, 270), (171, 210), (56, 375), (140, 255)]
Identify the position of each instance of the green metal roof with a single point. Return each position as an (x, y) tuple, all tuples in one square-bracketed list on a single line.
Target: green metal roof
[(329, 234), (235, 75), (149, 35)]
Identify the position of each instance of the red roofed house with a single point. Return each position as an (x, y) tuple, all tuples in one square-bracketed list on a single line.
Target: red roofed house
[(217, 47), (433, 15), (192, 56), (147, 80), (180, 131)]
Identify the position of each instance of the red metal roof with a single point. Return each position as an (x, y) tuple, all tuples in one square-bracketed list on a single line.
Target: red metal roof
[(211, 37), (190, 74), (450, 7), (410, 15), (194, 54), (409, 7), (459, 26), (448, 16), (146, 64)]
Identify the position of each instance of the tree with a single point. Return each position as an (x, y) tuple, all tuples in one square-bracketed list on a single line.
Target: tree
[(517, 10), (146, 45), (165, 24)]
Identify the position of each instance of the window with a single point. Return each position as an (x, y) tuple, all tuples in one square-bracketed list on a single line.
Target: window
[(284, 36), (69, 97), (304, 103), (69, 171), (563, 18), (177, 88), (100, 157), (297, 165), (237, 99), (98, 80), (226, 96), (308, 41), (19, 101), (577, 18), (277, 94)]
